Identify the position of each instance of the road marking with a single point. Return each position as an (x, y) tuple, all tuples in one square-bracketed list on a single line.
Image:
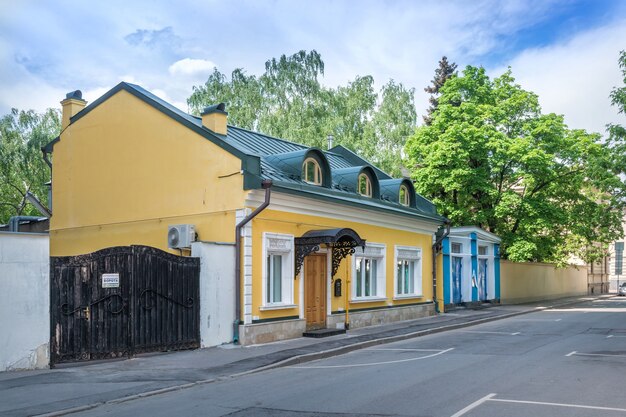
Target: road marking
[(473, 405), (595, 354), (408, 350), (485, 332), (589, 407), (372, 364), (615, 335)]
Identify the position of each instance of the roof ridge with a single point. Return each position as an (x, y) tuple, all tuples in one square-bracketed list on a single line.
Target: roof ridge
[(269, 137)]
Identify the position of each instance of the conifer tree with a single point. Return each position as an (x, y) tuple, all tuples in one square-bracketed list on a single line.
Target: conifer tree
[(445, 71)]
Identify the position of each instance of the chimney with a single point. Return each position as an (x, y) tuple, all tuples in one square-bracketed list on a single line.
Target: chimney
[(215, 118), (72, 104)]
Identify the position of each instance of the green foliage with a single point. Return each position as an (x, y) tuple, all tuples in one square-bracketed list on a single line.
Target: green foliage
[(491, 158), (22, 168), (442, 74), (288, 101), (618, 99)]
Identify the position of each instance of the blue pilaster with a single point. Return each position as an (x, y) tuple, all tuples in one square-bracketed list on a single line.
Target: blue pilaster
[(474, 274), (447, 270), (496, 269)]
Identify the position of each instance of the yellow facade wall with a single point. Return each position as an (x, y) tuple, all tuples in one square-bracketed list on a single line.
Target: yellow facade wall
[(125, 171), (525, 282), (272, 221)]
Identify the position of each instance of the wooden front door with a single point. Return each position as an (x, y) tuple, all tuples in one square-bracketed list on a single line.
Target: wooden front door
[(315, 291)]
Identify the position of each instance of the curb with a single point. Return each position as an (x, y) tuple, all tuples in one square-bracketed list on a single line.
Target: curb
[(299, 359)]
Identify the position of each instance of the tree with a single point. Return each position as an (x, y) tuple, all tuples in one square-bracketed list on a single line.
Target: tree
[(288, 101), (442, 73), (618, 98), (492, 159), (22, 168)]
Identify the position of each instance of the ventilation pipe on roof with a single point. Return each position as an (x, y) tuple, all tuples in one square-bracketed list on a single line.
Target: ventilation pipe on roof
[(330, 139), (266, 185), (437, 248)]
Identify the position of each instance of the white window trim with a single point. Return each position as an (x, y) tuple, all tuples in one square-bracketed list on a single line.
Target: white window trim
[(418, 279), (376, 251), (279, 244)]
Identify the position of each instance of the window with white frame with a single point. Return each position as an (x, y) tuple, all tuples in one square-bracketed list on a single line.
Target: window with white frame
[(483, 250), (368, 272), (277, 269), (408, 271)]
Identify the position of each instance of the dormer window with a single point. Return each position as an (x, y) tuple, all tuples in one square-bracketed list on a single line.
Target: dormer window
[(311, 172), (404, 196), (365, 185)]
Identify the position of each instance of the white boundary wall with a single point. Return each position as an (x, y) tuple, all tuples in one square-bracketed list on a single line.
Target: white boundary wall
[(24, 301), (217, 292)]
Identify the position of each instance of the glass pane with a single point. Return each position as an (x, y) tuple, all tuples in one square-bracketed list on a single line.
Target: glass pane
[(399, 274), (277, 278), (310, 171), (268, 289), (456, 248), (482, 250), (318, 174), (411, 278), (368, 275), (359, 276), (404, 200), (373, 277)]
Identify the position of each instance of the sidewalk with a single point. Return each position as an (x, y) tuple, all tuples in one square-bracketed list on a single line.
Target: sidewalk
[(72, 388)]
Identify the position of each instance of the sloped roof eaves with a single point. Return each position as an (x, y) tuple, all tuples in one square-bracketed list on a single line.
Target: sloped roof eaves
[(187, 120), (355, 201)]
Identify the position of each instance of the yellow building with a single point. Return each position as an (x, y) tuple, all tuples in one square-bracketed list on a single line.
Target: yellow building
[(321, 238)]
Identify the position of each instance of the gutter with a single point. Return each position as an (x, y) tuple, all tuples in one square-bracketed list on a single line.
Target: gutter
[(14, 222), (435, 249), (266, 185)]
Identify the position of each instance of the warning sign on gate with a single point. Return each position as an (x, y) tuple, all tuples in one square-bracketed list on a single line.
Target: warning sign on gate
[(110, 280)]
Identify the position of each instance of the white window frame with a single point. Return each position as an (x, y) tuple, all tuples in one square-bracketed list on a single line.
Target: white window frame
[(491, 281), (373, 251), (410, 254), (466, 258), (283, 245)]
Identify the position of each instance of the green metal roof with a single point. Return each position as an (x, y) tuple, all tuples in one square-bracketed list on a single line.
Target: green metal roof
[(266, 157)]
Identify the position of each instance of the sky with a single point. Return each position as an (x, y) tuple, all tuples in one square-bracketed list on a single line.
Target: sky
[(566, 51)]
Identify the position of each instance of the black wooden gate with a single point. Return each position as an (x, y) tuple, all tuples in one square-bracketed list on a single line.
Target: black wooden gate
[(123, 300)]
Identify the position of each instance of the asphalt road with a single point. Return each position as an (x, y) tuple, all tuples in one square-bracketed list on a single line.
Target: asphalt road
[(561, 362)]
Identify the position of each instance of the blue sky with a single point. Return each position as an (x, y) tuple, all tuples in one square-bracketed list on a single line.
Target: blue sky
[(565, 51)]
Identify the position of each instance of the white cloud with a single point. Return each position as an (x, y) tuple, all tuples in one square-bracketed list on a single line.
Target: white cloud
[(575, 78), (192, 67)]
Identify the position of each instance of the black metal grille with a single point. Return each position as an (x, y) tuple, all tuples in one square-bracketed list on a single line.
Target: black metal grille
[(155, 307)]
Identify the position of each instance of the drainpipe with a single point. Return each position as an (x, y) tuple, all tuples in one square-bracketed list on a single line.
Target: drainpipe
[(437, 248), (266, 185)]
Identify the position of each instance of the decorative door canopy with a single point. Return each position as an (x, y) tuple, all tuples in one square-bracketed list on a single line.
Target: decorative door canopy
[(341, 241)]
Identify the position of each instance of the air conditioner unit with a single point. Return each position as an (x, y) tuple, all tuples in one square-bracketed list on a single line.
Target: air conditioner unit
[(180, 236)]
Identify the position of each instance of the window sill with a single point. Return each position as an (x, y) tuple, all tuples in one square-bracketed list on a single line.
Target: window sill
[(368, 300), (278, 307), (407, 296)]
